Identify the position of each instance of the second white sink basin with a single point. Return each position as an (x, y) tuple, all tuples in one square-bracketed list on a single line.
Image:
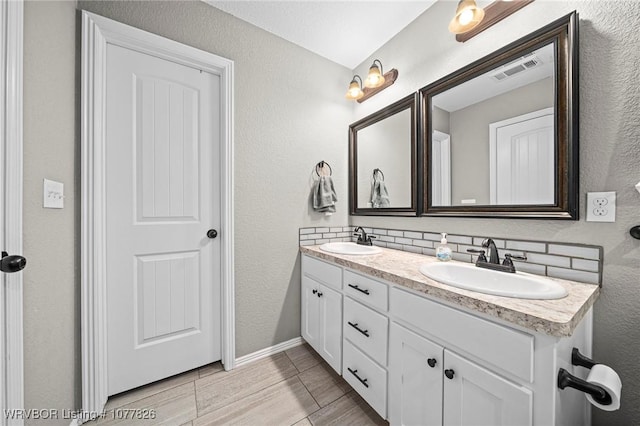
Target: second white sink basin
[(469, 277), (349, 248)]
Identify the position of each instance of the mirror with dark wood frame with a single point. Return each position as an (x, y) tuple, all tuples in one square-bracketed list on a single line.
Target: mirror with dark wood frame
[(383, 161), (501, 134)]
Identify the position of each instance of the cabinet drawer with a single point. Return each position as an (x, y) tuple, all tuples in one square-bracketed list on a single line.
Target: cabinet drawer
[(505, 348), (366, 289), (366, 377), (366, 329), (324, 272)]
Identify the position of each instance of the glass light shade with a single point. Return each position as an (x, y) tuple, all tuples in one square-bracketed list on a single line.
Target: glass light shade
[(355, 91), (375, 77), (468, 16)]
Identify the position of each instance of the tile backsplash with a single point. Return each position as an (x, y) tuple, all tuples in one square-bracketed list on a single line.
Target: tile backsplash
[(576, 262)]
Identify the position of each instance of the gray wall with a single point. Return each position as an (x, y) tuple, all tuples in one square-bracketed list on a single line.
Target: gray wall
[(51, 308), (469, 130), (609, 154), (290, 113)]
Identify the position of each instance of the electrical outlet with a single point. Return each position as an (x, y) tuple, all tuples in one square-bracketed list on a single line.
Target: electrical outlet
[(601, 206)]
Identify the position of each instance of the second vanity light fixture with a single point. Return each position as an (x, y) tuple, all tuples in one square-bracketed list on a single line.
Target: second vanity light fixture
[(471, 20), (375, 82), (468, 16)]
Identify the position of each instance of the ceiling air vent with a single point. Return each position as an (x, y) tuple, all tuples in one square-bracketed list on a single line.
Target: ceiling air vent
[(519, 65)]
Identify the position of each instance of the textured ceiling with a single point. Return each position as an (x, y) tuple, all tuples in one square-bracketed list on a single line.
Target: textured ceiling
[(346, 32)]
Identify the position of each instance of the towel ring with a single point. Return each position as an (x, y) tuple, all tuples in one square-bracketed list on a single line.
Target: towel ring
[(377, 171), (321, 165)]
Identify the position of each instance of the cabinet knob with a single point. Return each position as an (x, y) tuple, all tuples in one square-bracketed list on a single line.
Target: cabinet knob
[(432, 362), (319, 294), (314, 291), (449, 374)]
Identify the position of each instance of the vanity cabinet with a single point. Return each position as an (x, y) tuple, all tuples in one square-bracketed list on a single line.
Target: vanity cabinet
[(421, 361), (321, 310), (430, 385)]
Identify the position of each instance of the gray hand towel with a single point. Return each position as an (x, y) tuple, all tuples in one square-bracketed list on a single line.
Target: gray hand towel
[(379, 193), (324, 196)]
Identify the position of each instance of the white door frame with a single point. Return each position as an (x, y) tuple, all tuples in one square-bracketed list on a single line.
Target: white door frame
[(97, 32), (11, 335)]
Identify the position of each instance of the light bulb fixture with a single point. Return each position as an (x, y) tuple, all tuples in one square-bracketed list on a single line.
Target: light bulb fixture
[(468, 16), (355, 89), (375, 77)]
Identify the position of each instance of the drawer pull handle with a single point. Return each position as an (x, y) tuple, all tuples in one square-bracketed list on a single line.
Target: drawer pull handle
[(355, 373), (449, 374), (355, 287), (365, 332), (432, 362)]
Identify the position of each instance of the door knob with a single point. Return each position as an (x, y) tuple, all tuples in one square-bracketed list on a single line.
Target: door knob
[(13, 263), (212, 233)]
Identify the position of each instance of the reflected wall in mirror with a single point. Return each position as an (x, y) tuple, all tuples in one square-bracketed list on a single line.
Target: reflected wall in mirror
[(382, 161), (501, 134)]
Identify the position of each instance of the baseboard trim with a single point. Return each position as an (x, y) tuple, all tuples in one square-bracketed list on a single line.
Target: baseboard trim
[(271, 350)]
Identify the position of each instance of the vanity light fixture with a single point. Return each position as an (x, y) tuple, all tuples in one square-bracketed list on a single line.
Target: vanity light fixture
[(468, 16), (375, 77), (375, 82), (355, 89)]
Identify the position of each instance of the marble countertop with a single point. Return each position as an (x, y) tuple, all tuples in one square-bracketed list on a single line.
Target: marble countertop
[(557, 317)]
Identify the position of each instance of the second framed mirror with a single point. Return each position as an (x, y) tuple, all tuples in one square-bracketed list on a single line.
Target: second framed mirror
[(501, 134)]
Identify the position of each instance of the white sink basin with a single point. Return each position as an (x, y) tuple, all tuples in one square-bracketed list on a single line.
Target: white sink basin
[(469, 277), (349, 248)]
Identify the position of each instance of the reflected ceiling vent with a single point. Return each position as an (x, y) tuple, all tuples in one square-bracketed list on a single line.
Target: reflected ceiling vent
[(524, 63)]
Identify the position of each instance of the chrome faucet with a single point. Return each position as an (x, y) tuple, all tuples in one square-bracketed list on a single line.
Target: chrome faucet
[(494, 259), (363, 238)]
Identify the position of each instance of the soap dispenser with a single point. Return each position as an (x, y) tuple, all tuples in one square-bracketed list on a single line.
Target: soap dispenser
[(443, 251)]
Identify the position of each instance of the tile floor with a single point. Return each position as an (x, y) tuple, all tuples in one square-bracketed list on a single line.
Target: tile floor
[(295, 387)]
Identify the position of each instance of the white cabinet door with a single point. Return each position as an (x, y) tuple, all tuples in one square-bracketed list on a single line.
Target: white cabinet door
[(478, 397), (310, 309), (415, 379), (322, 321), (331, 327)]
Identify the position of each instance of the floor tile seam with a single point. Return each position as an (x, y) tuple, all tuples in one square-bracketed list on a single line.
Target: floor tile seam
[(310, 393), (152, 394), (195, 404), (292, 362), (244, 397), (200, 376)]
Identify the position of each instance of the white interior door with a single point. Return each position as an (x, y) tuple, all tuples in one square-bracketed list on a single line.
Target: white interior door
[(162, 196), (522, 159)]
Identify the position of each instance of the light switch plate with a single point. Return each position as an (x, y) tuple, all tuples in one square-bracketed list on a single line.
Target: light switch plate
[(601, 206), (53, 194)]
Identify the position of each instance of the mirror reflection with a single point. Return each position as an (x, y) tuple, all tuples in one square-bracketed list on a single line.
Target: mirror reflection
[(493, 136), (382, 166), (384, 163)]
